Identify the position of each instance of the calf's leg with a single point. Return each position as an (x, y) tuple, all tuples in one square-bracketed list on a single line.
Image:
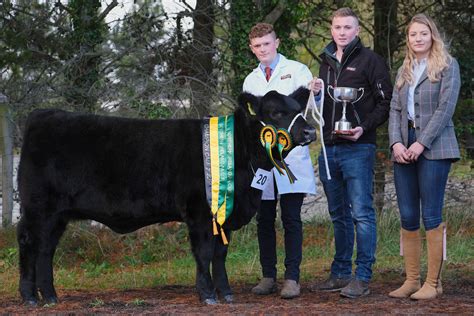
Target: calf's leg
[(51, 233), (27, 237), (219, 272), (202, 244)]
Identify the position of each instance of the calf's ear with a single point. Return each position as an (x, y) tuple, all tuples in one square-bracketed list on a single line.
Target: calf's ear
[(301, 95), (250, 103)]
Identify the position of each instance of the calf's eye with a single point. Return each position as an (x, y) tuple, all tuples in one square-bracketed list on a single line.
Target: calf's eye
[(279, 114)]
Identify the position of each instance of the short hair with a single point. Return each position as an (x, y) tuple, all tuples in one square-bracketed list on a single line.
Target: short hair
[(343, 12), (260, 30)]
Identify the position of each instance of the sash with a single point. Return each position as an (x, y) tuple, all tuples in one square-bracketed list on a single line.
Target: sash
[(218, 156)]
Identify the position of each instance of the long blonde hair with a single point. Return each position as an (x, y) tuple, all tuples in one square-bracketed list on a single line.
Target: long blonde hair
[(438, 58)]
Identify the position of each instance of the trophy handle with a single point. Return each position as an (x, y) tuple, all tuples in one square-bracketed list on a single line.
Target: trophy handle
[(362, 94), (333, 98)]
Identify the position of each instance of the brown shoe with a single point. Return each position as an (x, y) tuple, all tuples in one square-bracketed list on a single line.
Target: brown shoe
[(355, 289), (290, 289), (265, 286), (332, 284)]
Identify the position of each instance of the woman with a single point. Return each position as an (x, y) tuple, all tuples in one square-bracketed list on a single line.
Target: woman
[(423, 146)]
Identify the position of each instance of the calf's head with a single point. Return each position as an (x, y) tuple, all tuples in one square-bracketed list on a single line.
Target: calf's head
[(282, 112)]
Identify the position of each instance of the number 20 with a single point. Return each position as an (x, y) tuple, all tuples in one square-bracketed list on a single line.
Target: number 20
[(262, 179)]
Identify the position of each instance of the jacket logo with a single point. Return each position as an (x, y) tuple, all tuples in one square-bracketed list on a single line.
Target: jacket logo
[(287, 76), (351, 68)]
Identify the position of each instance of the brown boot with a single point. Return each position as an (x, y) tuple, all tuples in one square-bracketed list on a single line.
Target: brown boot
[(432, 286), (411, 255)]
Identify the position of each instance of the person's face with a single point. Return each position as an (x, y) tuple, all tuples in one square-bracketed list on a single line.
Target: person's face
[(419, 39), (343, 30), (265, 48)]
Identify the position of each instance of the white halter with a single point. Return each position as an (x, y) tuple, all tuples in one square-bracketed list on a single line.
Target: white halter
[(292, 121), (315, 112)]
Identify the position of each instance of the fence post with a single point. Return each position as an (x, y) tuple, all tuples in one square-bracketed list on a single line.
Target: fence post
[(7, 162)]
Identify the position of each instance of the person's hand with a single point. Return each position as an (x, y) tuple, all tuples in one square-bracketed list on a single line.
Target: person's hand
[(415, 150), (315, 85), (356, 132), (400, 153)]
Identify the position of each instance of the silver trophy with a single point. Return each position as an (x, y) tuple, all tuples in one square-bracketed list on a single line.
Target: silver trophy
[(344, 95)]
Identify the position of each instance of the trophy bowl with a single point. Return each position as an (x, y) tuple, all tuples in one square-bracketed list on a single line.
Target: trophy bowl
[(346, 94)]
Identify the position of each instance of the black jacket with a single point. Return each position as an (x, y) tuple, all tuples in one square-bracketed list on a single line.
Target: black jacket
[(359, 68)]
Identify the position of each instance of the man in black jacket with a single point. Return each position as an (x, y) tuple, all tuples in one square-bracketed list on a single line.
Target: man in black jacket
[(351, 153)]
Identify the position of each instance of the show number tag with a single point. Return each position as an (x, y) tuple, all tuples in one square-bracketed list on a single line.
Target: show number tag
[(261, 179)]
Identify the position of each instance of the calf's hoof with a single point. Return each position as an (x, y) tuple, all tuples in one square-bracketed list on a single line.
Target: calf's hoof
[(50, 300), (229, 298), (210, 301)]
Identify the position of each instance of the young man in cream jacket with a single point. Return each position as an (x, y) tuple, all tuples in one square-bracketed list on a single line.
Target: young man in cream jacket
[(275, 72)]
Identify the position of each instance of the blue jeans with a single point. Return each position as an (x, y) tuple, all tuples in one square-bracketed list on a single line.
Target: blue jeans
[(349, 195), (422, 182), (291, 218)]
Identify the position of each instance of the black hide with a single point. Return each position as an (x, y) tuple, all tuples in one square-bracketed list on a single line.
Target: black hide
[(129, 173)]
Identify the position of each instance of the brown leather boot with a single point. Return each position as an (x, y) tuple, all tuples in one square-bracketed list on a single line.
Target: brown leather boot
[(432, 286), (411, 255)]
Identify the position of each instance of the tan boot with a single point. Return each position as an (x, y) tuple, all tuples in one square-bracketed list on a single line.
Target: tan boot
[(411, 255), (432, 286)]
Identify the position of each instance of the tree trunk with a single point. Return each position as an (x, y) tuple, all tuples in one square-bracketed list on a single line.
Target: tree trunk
[(386, 34), (385, 43), (7, 163), (200, 55)]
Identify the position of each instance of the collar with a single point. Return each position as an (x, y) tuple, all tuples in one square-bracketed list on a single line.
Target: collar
[(422, 62), (272, 65), (331, 48)]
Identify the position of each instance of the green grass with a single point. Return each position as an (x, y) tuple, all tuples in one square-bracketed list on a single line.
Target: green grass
[(463, 169), (93, 258)]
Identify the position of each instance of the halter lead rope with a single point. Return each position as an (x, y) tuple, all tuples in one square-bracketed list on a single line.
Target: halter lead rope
[(314, 111)]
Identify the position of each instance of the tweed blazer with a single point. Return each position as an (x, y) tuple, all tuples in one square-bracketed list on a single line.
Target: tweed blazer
[(435, 103)]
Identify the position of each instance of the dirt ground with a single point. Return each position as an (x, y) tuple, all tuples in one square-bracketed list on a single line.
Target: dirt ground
[(458, 299)]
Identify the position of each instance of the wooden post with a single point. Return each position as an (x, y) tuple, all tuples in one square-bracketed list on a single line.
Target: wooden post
[(7, 162)]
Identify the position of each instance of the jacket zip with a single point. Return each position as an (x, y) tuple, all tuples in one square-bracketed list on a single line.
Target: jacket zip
[(337, 74), (333, 102)]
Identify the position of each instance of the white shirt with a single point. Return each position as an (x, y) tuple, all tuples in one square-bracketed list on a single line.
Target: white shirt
[(418, 69)]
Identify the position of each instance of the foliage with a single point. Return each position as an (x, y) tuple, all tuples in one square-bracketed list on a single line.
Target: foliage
[(83, 53), (464, 117), (66, 56), (97, 302), (8, 258), (464, 125), (456, 36), (242, 20)]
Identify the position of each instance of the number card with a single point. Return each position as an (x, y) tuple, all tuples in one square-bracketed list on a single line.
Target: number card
[(261, 179)]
